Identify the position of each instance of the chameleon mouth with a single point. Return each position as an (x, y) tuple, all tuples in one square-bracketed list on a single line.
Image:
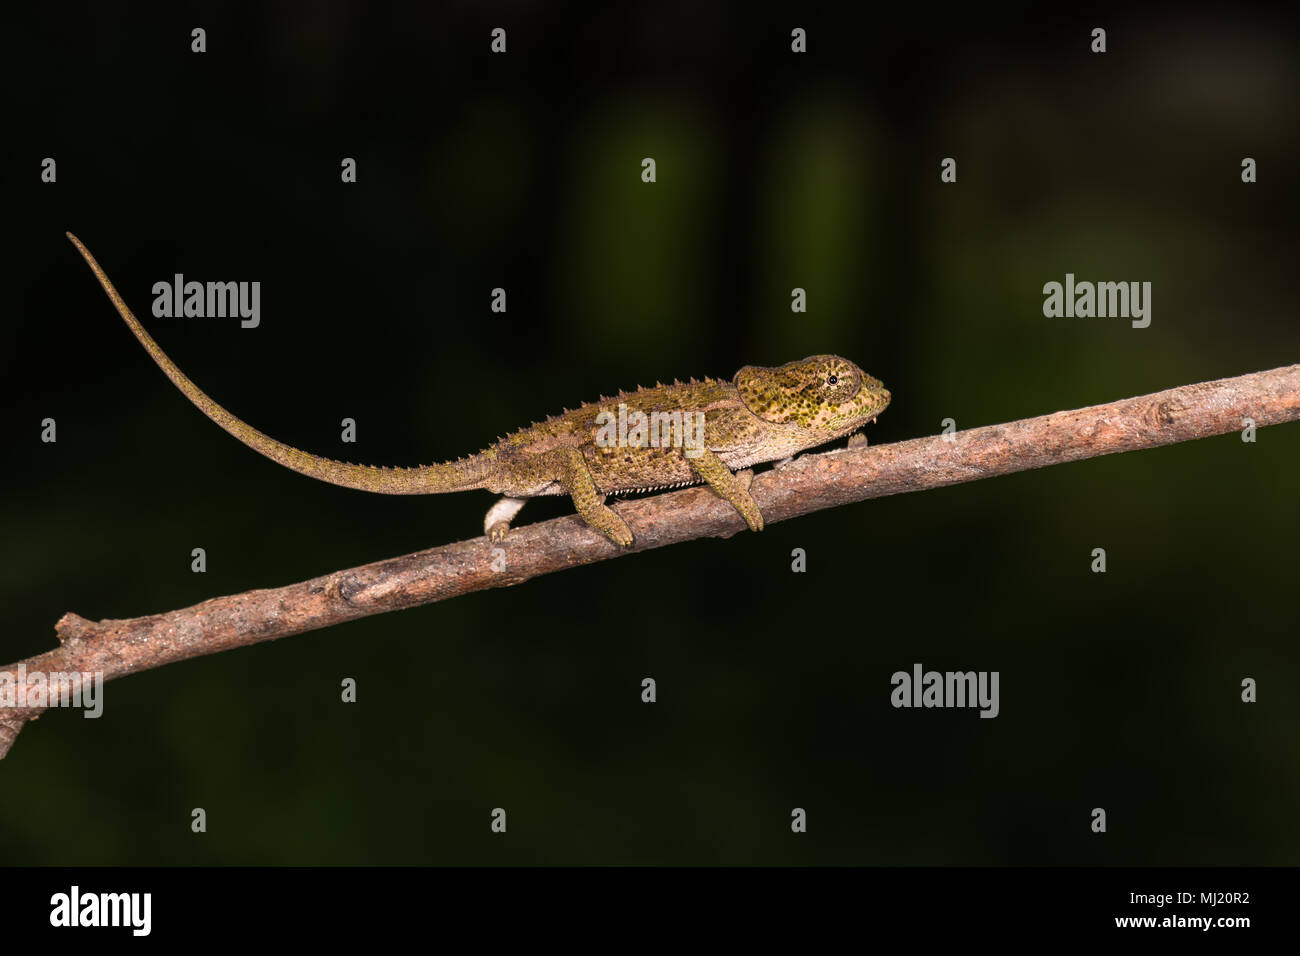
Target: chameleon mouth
[(863, 426)]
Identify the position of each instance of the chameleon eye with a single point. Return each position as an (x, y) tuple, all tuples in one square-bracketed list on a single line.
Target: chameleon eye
[(832, 380)]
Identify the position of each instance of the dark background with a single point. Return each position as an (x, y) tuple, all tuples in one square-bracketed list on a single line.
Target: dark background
[(774, 171)]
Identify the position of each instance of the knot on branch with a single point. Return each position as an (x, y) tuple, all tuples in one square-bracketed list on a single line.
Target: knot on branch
[(1164, 414), (72, 628)]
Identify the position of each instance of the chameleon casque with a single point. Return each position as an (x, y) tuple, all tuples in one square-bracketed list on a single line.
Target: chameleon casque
[(761, 415)]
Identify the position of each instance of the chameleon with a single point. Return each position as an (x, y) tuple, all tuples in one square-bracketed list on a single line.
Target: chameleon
[(763, 414)]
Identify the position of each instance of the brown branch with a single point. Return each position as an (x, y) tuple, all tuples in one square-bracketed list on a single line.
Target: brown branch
[(120, 647)]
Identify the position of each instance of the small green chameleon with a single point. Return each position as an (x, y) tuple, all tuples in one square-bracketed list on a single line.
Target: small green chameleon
[(713, 427)]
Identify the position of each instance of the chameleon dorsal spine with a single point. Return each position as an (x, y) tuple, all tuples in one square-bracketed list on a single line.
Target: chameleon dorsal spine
[(461, 475)]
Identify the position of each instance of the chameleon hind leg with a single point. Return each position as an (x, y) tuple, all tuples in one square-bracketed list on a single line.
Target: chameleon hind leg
[(570, 470), (497, 521), (733, 488)]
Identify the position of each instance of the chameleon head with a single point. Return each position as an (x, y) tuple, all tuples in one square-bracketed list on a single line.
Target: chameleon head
[(824, 393)]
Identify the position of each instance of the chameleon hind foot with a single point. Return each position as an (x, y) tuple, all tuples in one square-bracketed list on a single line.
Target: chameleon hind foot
[(572, 472), (606, 520), (496, 523)]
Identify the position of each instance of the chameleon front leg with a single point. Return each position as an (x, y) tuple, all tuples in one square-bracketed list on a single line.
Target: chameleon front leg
[(734, 488), (570, 470)]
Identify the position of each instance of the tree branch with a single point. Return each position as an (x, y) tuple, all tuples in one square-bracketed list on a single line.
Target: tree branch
[(116, 648)]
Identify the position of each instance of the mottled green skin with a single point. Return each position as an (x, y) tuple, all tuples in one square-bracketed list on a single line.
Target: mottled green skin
[(763, 414)]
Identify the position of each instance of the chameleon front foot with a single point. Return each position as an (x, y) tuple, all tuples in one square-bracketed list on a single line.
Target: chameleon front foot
[(746, 505), (733, 488)]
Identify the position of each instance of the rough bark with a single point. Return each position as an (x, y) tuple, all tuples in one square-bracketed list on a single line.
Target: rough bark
[(116, 648)]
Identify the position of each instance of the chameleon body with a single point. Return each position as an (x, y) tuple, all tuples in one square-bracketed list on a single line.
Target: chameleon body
[(761, 415)]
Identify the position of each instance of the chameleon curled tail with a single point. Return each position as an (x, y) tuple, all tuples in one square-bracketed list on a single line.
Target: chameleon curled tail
[(452, 476)]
